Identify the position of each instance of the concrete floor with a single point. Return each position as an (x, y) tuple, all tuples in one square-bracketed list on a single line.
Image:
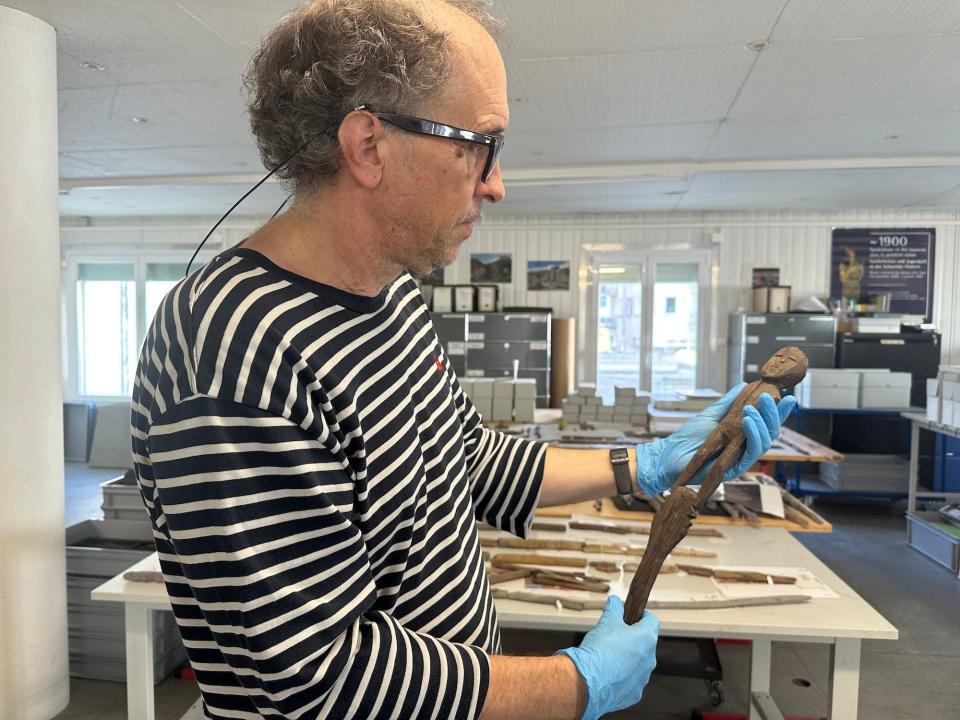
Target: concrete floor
[(914, 677)]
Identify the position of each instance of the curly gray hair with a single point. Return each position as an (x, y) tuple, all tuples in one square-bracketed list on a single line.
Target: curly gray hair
[(328, 57)]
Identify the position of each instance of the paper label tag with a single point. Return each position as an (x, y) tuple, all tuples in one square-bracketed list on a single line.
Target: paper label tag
[(456, 348), (538, 318), (771, 500), (477, 318), (475, 345), (753, 339), (538, 345), (754, 320), (474, 373), (475, 336), (753, 367)]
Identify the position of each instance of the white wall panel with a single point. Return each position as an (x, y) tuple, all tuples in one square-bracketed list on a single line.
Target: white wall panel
[(798, 242)]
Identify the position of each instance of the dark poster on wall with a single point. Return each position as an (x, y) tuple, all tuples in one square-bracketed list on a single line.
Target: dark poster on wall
[(867, 262)]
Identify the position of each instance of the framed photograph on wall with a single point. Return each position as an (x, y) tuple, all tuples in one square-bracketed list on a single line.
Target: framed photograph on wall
[(491, 268), (548, 275)]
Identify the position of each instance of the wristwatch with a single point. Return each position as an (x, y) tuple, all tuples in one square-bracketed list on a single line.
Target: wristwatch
[(621, 470)]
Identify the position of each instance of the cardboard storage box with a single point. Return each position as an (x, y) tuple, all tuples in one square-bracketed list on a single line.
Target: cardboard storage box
[(828, 388), (885, 390)]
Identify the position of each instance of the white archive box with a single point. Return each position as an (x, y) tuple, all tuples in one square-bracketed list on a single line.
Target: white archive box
[(830, 388), (948, 411), (484, 406), (482, 387), (525, 388), (885, 389), (503, 388), (934, 411)]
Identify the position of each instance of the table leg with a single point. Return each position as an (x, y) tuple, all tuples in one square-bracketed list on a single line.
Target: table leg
[(760, 656), (139, 639), (844, 679)]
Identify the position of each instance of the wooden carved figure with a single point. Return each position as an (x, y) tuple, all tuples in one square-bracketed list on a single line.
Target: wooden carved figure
[(725, 445)]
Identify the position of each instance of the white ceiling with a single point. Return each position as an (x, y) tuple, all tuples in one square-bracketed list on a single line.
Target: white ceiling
[(617, 105)]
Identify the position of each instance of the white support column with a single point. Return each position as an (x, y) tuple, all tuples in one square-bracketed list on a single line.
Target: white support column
[(139, 639), (34, 680), (844, 679), (761, 654)]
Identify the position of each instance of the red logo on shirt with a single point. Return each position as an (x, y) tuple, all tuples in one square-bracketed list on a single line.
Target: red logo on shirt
[(439, 366)]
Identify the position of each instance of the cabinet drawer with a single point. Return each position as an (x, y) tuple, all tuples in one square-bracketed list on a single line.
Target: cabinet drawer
[(510, 326), (500, 354)]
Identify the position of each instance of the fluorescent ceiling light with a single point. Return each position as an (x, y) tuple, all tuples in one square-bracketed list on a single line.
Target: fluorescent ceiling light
[(612, 270)]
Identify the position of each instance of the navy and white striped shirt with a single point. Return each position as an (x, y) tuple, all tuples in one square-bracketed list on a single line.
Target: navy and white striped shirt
[(313, 472)]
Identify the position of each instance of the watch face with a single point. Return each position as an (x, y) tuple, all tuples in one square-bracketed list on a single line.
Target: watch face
[(618, 454)]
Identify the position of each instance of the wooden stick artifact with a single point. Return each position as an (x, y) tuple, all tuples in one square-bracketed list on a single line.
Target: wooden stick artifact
[(724, 446), (531, 559), (747, 576)]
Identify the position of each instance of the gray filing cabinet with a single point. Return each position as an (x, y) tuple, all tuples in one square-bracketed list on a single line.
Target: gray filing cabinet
[(495, 340), (486, 344), (451, 329), (754, 337)]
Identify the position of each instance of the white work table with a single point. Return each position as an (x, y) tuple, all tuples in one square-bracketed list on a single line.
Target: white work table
[(842, 622)]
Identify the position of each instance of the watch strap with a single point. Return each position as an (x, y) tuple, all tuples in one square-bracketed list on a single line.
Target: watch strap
[(620, 460)]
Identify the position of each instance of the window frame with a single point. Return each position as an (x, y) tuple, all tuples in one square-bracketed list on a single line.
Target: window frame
[(71, 260), (648, 259)]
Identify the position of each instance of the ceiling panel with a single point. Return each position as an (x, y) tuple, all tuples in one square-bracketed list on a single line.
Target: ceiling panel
[(883, 135), (161, 161), (853, 77), (136, 42), (177, 114), (551, 28), (242, 26), (905, 184), (947, 199), (806, 20), (205, 200), (622, 90), (607, 145)]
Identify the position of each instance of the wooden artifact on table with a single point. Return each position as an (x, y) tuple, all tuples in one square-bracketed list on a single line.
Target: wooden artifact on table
[(552, 599), (569, 581), (724, 446), (710, 604), (549, 527), (627, 529), (499, 576), (152, 576), (607, 566), (747, 576), (719, 603), (731, 510), (614, 549), (518, 544), (802, 508), (531, 559), (794, 516), (748, 515)]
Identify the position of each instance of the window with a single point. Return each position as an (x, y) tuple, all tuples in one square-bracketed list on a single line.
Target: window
[(646, 307), (675, 331), (106, 328), (109, 301)]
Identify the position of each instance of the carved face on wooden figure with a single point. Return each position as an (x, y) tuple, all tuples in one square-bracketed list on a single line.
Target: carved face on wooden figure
[(786, 368)]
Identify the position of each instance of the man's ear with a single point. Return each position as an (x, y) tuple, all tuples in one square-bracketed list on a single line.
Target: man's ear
[(361, 138)]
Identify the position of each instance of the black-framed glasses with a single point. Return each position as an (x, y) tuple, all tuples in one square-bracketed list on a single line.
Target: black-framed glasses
[(493, 143)]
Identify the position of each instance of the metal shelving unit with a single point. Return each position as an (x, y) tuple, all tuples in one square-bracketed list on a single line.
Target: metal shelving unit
[(819, 489), (924, 533)]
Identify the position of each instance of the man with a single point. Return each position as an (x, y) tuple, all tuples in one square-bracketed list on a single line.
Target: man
[(311, 467)]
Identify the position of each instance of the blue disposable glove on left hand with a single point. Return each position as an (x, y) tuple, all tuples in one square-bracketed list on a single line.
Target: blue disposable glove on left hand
[(661, 461), (615, 659)]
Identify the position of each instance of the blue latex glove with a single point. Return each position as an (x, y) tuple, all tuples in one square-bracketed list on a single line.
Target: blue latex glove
[(615, 659), (661, 461)]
